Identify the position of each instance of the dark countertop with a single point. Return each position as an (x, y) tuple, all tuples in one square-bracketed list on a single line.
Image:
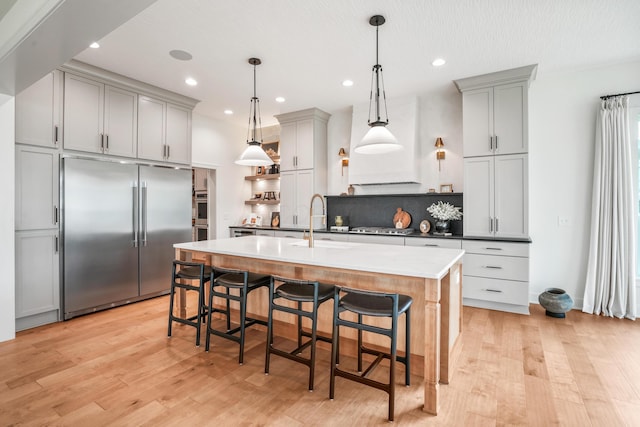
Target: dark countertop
[(412, 235)]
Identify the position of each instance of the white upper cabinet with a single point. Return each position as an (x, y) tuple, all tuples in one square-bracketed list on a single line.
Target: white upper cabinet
[(496, 196), (303, 164), (494, 120), (39, 112), (99, 118), (120, 122), (303, 140), (178, 134), (495, 112), (297, 145), (164, 131), (296, 190), (36, 188), (151, 128), (478, 196), (83, 114), (511, 200)]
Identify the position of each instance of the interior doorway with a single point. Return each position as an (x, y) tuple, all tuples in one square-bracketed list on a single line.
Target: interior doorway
[(203, 204)]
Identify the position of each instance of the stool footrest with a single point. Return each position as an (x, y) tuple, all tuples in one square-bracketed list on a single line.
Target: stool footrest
[(362, 380), (374, 364), (230, 334), (291, 356), (399, 358)]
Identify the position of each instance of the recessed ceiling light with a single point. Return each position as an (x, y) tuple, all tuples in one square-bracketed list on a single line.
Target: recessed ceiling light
[(280, 99), (347, 83), (180, 55), (438, 62), (191, 81), (94, 45), (228, 112)]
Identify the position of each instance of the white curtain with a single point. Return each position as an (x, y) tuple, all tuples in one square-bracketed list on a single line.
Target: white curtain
[(610, 285)]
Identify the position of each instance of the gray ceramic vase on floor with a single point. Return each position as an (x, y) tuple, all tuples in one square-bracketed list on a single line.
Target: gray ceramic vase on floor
[(556, 301)]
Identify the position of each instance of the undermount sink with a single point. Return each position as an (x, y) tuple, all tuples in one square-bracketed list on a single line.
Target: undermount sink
[(331, 244)]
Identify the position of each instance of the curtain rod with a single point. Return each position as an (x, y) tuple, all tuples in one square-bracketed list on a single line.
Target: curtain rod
[(619, 94)]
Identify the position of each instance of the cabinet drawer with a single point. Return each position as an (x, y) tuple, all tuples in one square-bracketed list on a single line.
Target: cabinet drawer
[(490, 247), (504, 291), (269, 233), (435, 243), (331, 236), (289, 234), (497, 267)]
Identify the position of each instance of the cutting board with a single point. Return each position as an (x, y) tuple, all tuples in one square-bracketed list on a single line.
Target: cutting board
[(401, 219)]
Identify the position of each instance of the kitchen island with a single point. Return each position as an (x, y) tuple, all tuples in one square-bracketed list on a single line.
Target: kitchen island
[(431, 276)]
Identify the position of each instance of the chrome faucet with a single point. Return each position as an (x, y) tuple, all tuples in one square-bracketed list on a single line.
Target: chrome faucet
[(311, 216)]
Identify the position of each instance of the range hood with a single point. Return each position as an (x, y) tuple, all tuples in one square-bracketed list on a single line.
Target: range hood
[(398, 167)]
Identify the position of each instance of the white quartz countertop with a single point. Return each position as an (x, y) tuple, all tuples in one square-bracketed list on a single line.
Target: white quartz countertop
[(427, 262)]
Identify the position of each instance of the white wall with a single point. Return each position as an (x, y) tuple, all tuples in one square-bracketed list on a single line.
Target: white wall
[(562, 113), (216, 145), (7, 222)]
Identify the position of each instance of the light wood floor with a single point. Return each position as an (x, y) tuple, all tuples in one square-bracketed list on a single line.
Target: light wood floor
[(119, 368)]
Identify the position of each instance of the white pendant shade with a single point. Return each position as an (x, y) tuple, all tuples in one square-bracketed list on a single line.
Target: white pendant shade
[(254, 155), (378, 140)]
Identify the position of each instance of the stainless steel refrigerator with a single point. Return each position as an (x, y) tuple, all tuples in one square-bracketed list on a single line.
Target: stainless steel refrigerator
[(119, 223)]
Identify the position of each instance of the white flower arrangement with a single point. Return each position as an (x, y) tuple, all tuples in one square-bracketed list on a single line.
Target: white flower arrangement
[(444, 211)]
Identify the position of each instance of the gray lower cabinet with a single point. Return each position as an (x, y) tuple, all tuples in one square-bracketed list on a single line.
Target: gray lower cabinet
[(433, 242), (37, 278), (335, 237), (289, 234), (370, 238), (496, 275)]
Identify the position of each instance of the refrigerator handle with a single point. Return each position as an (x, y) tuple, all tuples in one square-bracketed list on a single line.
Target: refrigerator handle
[(143, 212), (133, 214)]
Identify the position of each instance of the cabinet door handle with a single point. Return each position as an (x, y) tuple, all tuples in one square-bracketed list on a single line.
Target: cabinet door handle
[(101, 142), (496, 142), (497, 225), (55, 134), (168, 151), (493, 249), (55, 214), (497, 291), (491, 225), (490, 143), (494, 267), (431, 245), (56, 245), (106, 137)]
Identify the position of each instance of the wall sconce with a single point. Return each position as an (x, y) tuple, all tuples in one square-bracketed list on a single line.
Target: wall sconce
[(345, 159), (439, 151)]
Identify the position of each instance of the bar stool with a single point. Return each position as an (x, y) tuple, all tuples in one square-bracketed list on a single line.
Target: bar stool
[(300, 291), (376, 304), (244, 282), (189, 271)]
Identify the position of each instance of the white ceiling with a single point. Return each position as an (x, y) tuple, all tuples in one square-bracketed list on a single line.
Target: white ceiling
[(308, 47)]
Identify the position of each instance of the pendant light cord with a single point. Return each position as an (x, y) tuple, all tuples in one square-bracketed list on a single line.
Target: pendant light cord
[(254, 109), (377, 74)]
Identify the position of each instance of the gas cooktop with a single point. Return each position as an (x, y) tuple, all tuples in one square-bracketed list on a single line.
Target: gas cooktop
[(382, 230)]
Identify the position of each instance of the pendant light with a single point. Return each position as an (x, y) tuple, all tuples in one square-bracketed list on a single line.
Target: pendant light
[(378, 139), (254, 155)]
